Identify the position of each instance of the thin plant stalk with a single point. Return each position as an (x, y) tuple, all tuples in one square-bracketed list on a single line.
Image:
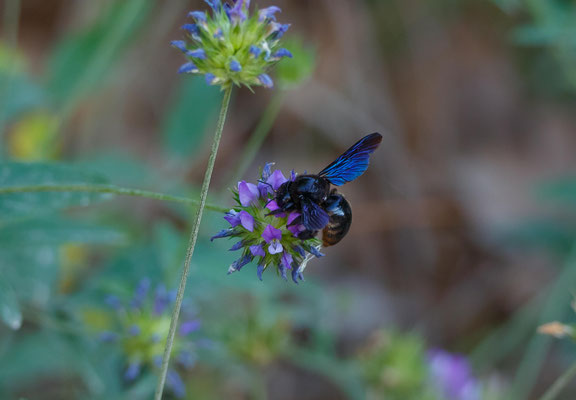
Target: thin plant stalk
[(560, 384), (110, 189), (192, 244), (258, 136)]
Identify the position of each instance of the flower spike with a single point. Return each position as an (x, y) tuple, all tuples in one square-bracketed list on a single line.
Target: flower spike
[(230, 45), (264, 233)]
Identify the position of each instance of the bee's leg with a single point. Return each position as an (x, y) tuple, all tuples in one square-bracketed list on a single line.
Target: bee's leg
[(287, 208), (277, 211), (307, 234), (297, 221)]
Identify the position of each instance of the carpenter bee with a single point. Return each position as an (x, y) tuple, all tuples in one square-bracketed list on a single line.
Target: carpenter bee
[(321, 207)]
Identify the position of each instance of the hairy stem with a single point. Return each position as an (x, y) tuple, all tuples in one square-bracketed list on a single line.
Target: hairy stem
[(192, 244), (560, 384), (98, 188)]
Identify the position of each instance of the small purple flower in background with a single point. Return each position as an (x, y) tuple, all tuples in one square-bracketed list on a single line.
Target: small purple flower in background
[(140, 328), (270, 240), (452, 376), (246, 45)]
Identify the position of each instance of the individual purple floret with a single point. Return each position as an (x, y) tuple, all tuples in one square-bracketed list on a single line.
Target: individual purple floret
[(188, 68), (268, 13), (235, 66), (273, 237), (236, 13), (140, 293), (282, 53), (265, 80), (248, 193)]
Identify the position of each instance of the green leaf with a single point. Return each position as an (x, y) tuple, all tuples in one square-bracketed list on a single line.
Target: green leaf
[(120, 167), (81, 61), (192, 113), (37, 202), (56, 231), (9, 308)]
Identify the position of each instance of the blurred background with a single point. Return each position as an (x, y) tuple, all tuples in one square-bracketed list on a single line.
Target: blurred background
[(463, 232)]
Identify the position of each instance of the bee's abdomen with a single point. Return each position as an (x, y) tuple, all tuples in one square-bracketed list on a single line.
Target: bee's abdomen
[(340, 221), (333, 233)]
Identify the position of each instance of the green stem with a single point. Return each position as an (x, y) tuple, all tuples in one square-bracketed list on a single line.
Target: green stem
[(192, 244), (258, 136), (98, 188), (560, 384)]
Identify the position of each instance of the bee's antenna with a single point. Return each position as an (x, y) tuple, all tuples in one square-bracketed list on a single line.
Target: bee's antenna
[(266, 183)]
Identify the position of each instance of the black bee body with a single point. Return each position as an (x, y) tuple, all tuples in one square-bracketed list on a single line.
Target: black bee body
[(291, 194), (322, 208), (340, 214), (335, 205)]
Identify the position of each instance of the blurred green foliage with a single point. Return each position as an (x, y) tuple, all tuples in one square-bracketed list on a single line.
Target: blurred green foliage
[(548, 28), (394, 366), (296, 70), (191, 115), (80, 62)]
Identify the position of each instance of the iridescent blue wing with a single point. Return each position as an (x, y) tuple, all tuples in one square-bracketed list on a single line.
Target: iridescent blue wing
[(314, 217), (353, 162)]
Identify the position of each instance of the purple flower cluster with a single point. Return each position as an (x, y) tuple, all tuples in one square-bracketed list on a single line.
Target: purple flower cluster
[(229, 46), (268, 239), (452, 375), (141, 327)]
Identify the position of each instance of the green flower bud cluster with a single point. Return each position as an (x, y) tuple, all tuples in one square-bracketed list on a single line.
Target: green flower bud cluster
[(231, 47)]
